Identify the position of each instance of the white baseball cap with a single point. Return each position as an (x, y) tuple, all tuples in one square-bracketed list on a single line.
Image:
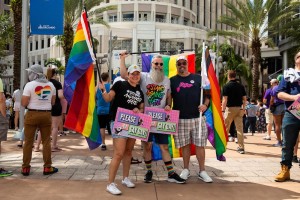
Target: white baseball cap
[(133, 68), (274, 80), (181, 58)]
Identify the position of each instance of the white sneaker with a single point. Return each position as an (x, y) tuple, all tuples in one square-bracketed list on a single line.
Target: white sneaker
[(236, 140), (204, 177), (112, 188), (230, 139), (267, 138), (128, 183), (185, 174)]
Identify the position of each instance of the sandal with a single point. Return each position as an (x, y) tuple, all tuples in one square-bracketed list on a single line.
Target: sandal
[(135, 161)]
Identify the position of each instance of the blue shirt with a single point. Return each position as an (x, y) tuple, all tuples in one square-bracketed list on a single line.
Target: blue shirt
[(102, 105), (289, 88)]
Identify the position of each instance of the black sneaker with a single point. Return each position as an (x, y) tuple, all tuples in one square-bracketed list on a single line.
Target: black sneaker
[(103, 147), (175, 178), (148, 177), (295, 159)]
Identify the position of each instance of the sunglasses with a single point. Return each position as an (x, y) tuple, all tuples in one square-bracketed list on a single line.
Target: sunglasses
[(161, 64), (181, 63)]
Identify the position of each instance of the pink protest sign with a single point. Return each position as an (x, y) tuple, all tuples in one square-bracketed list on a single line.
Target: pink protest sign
[(133, 125), (295, 108), (165, 122)]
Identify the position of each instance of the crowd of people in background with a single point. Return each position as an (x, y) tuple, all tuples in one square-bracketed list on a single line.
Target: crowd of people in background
[(44, 119)]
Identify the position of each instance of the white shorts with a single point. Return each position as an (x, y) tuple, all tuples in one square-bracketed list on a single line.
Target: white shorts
[(17, 106)]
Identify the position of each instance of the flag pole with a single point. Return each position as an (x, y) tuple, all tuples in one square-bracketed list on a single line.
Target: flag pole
[(97, 64), (202, 83)]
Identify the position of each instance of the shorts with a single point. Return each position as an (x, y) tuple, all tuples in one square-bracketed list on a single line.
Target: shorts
[(113, 131), (188, 132), (279, 110), (17, 106), (3, 128), (269, 116), (159, 138), (103, 120)]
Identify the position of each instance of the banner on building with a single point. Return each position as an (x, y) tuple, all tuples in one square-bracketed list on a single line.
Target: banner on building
[(46, 17)]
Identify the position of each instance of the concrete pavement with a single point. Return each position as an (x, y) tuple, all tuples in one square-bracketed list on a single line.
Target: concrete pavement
[(83, 174)]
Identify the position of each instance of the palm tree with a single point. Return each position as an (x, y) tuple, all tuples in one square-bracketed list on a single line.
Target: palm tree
[(234, 62), (73, 9), (58, 64), (16, 6), (257, 20), (6, 33)]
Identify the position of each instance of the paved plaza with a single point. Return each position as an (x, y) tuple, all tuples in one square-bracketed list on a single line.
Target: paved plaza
[(83, 174)]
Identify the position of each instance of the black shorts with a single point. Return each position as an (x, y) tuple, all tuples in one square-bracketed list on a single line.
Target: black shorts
[(103, 120), (159, 138)]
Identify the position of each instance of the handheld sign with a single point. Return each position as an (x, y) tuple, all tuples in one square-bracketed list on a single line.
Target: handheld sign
[(295, 108), (133, 125), (165, 122)]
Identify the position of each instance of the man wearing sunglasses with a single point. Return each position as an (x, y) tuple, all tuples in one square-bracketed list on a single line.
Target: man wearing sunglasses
[(156, 88), (185, 91)]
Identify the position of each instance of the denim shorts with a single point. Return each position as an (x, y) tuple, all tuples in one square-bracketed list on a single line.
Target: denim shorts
[(113, 131), (159, 138), (279, 110)]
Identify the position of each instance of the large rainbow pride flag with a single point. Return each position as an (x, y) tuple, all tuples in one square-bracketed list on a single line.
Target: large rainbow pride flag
[(169, 70), (79, 87), (217, 135)]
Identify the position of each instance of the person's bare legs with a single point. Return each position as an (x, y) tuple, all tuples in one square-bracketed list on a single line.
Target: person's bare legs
[(200, 155), (38, 142), (186, 154), (127, 156), (55, 122), (119, 149), (17, 113), (278, 123)]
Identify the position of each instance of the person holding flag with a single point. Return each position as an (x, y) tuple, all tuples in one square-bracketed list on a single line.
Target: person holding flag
[(186, 94)]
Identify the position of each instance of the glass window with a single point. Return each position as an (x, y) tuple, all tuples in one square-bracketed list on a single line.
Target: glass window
[(7, 2), (48, 42), (160, 18), (42, 44), (113, 18), (128, 17), (36, 45), (30, 46)]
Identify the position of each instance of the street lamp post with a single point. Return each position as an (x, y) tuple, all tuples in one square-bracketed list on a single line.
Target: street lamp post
[(111, 39)]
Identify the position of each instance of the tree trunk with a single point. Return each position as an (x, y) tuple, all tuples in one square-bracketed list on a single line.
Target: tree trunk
[(17, 15), (68, 42), (256, 53)]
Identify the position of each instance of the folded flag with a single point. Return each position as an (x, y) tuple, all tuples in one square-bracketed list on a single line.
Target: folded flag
[(217, 135), (79, 87)]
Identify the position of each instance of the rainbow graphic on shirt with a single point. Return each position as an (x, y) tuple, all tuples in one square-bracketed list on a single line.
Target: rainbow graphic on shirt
[(43, 92)]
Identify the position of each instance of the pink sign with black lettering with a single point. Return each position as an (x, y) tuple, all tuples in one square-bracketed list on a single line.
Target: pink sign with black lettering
[(165, 122), (133, 125)]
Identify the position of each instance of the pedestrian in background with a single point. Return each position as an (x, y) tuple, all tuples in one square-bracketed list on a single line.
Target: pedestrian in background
[(233, 107)]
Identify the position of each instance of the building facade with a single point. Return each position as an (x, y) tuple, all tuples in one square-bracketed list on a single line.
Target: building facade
[(144, 25)]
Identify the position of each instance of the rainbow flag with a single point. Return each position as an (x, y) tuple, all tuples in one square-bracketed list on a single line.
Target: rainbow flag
[(79, 87), (170, 70), (217, 135)]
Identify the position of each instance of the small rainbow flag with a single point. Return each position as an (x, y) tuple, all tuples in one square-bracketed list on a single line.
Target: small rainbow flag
[(170, 70), (79, 87), (217, 135)]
